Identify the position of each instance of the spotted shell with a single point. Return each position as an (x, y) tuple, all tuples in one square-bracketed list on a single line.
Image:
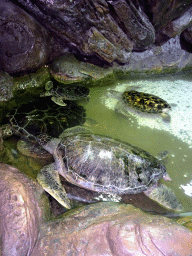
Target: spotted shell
[(145, 102)]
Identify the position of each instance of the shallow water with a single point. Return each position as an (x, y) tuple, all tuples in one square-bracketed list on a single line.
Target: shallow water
[(149, 132)]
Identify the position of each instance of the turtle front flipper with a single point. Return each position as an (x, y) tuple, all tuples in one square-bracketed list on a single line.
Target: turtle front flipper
[(58, 101), (49, 179)]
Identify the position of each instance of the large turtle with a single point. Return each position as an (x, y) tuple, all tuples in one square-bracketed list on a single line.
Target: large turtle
[(98, 163), (94, 162), (142, 102), (66, 92)]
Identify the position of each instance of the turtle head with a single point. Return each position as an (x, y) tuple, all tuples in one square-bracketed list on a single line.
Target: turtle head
[(48, 143), (6, 131), (158, 172), (166, 177)]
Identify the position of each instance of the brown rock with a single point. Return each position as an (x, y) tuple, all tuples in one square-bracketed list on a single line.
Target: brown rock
[(113, 229), (97, 229), (24, 42), (20, 212)]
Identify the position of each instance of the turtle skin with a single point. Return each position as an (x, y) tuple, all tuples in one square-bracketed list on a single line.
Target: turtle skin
[(145, 102), (70, 92)]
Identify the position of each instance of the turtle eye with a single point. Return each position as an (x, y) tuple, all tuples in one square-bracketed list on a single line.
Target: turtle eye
[(140, 181)]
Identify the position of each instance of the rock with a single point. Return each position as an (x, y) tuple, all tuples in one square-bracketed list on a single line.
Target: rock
[(186, 39), (20, 212), (168, 57), (97, 229), (24, 44), (112, 229), (101, 32), (138, 27), (6, 86), (28, 87), (177, 26), (163, 12)]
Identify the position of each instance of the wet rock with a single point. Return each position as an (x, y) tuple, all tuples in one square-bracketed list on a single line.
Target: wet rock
[(138, 27), (186, 39), (20, 212), (97, 229), (171, 55), (177, 26), (185, 221), (6, 86), (2, 149), (188, 34), (165, 58), (163, 12), (112, 229), (84, 25), (28, 87), (24, 43)]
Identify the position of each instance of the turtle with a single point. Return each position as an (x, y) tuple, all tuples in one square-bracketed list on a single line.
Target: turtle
[(142, 102), (36, 117), (40, 116), (65, 92), (98, 163), (94, 162)]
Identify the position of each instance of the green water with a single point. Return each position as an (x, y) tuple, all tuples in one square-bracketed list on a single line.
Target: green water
[(151, 135), (129, 129)]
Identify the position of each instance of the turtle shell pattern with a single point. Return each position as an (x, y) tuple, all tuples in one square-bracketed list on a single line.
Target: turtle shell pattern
[(144, 102), (44, 116), (106, 165), (70, 92)]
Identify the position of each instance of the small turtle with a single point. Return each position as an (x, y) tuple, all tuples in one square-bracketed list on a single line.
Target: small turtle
[(65, 92), (143, 102), (98, 163)]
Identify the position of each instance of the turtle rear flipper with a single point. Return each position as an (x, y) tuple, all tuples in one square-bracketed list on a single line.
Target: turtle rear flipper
[(49, 179), (165, 197)]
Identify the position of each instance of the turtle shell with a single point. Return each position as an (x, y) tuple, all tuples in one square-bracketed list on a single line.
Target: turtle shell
[(43, 116), (106, 165), (70, 92), (144, 102)]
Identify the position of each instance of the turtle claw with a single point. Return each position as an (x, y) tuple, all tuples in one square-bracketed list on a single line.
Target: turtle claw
[(49, 179)]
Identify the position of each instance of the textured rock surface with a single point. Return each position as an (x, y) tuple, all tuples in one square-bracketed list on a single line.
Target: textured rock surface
[(20, 213), (97, 229), (24, 43), (99, 31), (6, 86), (113, 229)]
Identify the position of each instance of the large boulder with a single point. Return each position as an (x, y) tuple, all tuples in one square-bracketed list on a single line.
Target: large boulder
[(96, 229)]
